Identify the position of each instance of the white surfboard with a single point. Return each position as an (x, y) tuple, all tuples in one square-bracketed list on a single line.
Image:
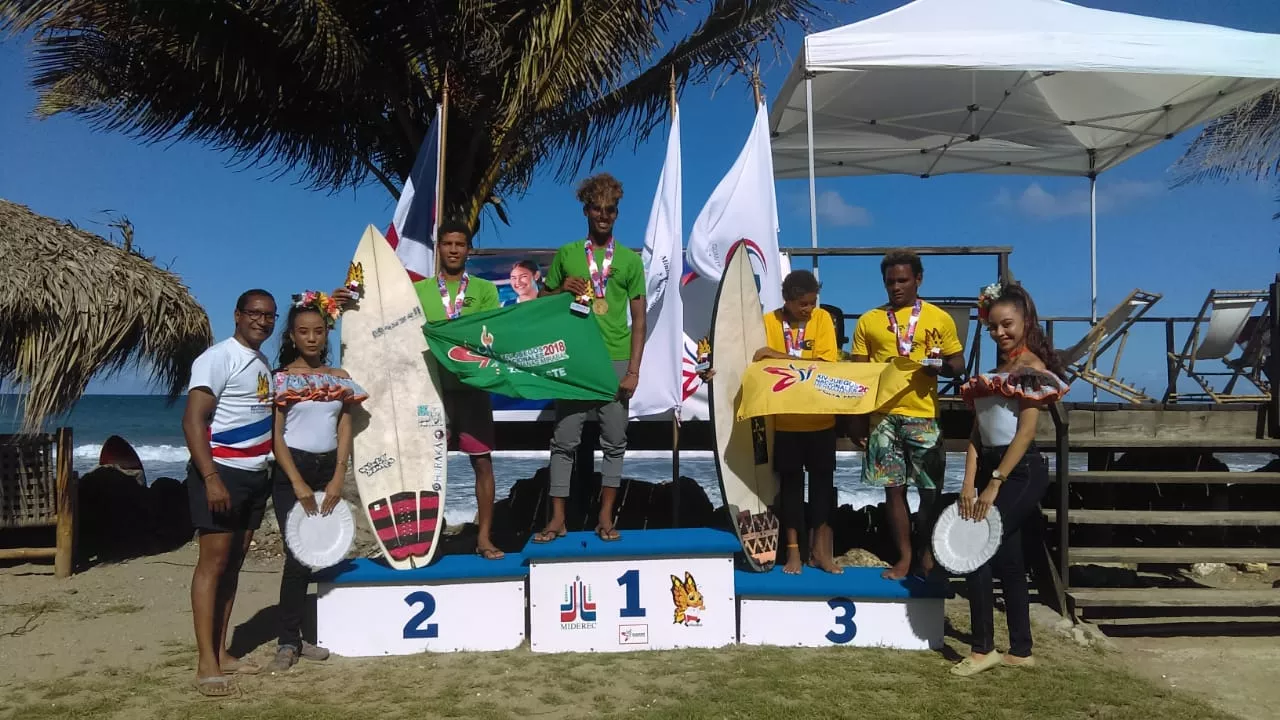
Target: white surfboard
[(743, 450), (400, 445)]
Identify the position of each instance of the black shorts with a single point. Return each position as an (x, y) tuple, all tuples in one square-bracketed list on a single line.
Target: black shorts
[(812, 450), (249, 490)]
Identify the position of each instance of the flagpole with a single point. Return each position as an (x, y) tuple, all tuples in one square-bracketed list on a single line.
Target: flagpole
[(675, 412), (444, 133)]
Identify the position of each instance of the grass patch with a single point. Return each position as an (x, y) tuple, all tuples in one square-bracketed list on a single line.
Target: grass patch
[(28, 609), (122, 609), (734, 682)]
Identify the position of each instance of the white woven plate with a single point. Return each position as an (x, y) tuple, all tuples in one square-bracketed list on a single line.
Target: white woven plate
[(320, 541), (962, 546)]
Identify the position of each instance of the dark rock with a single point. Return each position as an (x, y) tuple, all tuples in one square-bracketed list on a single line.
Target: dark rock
[(115, 515), (170, 512)]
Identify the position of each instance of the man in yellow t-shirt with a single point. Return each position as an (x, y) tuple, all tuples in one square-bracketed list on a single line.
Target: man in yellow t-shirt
[(903, 444), (800, 330)]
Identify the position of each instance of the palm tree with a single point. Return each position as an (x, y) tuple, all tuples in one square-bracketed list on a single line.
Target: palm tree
[(342, 91), (1243, 144)]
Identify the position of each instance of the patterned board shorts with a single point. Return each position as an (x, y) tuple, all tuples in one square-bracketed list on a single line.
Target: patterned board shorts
[(903, 450)]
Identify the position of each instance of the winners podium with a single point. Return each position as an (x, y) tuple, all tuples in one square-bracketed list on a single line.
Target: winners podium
[(856, 608), (460, 602), (648, 590)]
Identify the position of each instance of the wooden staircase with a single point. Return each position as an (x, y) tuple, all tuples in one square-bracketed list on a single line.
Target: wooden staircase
[(1185, 536)]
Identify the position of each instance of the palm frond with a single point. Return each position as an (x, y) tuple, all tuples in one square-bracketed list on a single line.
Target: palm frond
[(341, 92), (1243, 144)]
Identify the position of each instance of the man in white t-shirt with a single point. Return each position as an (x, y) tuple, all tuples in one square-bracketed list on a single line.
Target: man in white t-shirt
[(227, 425)]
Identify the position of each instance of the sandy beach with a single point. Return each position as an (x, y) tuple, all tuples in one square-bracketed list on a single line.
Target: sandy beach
[(115, 641)]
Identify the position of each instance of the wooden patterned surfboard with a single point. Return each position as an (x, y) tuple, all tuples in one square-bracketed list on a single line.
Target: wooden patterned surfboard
[(400, 447), (743, 450)]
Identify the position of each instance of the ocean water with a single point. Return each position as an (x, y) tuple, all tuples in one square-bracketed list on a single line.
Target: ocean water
[(154, 428)]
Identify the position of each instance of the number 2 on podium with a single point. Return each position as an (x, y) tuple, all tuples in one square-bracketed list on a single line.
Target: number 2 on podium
[(414, 630), (631, 581), (845, 621)]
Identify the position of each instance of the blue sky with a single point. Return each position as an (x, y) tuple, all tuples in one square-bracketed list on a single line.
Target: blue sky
[(224, 230)]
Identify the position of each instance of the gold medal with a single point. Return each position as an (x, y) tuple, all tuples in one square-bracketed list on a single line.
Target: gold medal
[(600, 306)]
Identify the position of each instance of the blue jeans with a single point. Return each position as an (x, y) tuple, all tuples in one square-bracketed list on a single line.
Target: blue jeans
[(317, 470), (1019, 504)]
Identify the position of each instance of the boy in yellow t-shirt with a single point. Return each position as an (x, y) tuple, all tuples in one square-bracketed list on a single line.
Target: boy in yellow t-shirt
[(903, 443), (800, 330)]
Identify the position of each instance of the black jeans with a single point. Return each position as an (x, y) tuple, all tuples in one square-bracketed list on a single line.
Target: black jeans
[(1019, 504), (317, 471), (793, 454)]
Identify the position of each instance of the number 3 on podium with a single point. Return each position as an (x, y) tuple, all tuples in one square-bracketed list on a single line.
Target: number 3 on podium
[(844, 620), (414, 629)]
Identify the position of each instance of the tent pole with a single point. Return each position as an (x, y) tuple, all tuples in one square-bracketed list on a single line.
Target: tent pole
[(1093, 256), (813, 198), (1093, 250)]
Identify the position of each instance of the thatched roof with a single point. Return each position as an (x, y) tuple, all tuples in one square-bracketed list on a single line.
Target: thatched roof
[(73, 305)]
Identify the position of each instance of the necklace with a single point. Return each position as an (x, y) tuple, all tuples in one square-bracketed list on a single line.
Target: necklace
[(453, 310), (599, 276), (794, 345), (905, 343)]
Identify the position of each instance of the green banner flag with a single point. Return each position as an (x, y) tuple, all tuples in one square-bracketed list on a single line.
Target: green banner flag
[(534, 350)]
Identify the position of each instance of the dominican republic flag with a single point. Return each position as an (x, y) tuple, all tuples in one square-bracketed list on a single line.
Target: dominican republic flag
[(413, 227), (660, 390)]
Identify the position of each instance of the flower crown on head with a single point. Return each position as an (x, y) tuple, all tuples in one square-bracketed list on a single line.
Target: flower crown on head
[(987, 297), (321, 303)]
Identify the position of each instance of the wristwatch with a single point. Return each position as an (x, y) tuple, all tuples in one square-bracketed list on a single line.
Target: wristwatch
[(997, 476)]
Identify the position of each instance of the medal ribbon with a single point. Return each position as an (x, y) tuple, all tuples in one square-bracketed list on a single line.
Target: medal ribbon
[(795, 348), (904, 343), (453, 311), (599, 278)]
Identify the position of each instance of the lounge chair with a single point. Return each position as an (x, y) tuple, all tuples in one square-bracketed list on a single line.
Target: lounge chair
[(1229, 314), (1255, 349), (1082, 359), (961, 312)]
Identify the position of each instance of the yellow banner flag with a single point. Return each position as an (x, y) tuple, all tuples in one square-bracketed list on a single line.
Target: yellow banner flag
[(805, 387)]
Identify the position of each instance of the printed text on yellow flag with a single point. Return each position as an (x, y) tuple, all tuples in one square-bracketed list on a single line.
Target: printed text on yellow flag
[(804, 387)]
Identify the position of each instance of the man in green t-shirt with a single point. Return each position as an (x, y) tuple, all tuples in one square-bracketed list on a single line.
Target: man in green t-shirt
[(608, 281), (468, 411)]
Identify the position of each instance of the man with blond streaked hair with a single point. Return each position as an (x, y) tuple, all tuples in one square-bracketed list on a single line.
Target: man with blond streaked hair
[(608, 281)]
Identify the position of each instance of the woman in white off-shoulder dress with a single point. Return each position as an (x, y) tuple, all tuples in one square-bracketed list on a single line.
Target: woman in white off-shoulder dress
[(1003, 468)]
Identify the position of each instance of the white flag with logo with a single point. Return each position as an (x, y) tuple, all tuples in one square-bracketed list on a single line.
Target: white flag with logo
[(660, 378), (743, 207)]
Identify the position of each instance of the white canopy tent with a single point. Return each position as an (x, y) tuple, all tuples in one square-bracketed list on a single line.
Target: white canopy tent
[(1030, 87)]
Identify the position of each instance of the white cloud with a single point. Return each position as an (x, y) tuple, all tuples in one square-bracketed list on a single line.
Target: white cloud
[(1037, 202), (834, 210)]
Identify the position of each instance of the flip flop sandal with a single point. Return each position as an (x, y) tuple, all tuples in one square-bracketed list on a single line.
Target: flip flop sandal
[(241, 666), (219, 686), (491, 553), (542, 537), (610, 535)]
